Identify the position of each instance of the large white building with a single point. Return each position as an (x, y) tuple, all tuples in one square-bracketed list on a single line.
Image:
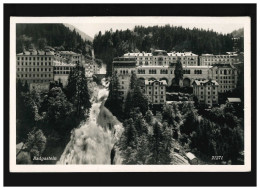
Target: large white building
[(210, 59), (36, 66), (160, 65), (162, 58)]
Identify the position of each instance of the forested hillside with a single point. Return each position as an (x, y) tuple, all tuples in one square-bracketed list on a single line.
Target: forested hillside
[(238, 33), (116, 43), (83, 35), (54, 35)]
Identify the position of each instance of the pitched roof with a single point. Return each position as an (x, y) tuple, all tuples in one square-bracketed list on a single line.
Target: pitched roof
[(150, 82), (190, 156), (36, 52), (68, 52)]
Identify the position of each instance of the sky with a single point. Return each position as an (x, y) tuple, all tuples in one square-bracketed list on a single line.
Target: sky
[(92, 25)]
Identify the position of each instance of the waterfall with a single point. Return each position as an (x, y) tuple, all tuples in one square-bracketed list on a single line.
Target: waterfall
[(94, 142)]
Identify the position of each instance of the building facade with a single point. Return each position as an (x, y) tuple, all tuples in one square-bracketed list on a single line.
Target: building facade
[(124, 67), (71, 56), (61, 71), (155, 90), (210, 59), (154, 69), (162, 58), (226, 75), (35, 66), (206, 92)]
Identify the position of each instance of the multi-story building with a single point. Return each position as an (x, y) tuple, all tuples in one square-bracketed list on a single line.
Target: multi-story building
[(124, 67), (186, 58), (206, 91), (210, 59), (155, 90), (35, 66), (71, 56), (61, 71), (162, 58), (226, 76), (160, 66)]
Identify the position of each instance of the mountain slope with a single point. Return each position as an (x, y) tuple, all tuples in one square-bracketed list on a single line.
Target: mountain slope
[(55, 35), (82, 34), (238, 33)]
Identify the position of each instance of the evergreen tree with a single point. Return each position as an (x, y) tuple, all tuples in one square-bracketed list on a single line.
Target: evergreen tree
[(77, 91), (36, 142), (114, 101), (161, 145), (58, 111), (178, 72)]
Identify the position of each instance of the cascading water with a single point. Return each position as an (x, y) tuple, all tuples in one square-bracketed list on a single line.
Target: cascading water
[(94, 141)]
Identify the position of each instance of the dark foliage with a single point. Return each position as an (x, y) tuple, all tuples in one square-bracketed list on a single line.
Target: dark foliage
[(54, 35), (112, 44)]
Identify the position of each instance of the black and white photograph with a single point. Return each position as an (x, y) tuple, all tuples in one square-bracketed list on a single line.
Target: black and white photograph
[(130, 92), (129, 95)]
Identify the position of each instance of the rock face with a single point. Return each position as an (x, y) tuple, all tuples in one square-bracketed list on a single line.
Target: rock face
[(94, 142)]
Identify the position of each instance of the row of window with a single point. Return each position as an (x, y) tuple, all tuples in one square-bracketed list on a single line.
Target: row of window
[(213, 97), (61, 72), (33, 58), (213, 87), (34, 64), (225, 72), (154, 92), (33, 75), (63, 68), (233, 77), (124, 71), (34, 69), (226, 81), (231, 86)]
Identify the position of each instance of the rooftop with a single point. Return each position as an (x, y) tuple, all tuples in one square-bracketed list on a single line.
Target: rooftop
[(68, 53), (203, 82), (36, 52), (58, 63), (234, 100), (190, 156), (150, 82)]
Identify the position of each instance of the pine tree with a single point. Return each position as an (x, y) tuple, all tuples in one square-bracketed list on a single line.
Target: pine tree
[(114, 101), (77, 91), (178, 72)]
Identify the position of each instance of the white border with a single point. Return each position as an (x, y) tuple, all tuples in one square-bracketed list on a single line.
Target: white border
[(127, 168)]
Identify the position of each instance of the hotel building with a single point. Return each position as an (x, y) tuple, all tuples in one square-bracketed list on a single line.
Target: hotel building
[(156, 91), (210, 59), (35, 66), (159, 66), (206, 91)]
